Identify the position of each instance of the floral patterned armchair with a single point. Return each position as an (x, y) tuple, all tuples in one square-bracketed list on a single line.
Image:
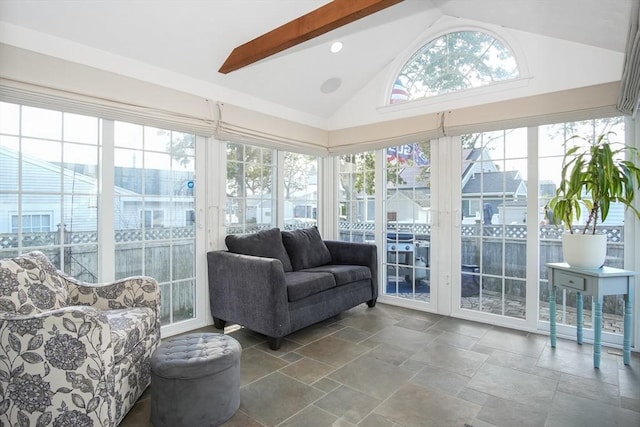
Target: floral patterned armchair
[(72, 353)]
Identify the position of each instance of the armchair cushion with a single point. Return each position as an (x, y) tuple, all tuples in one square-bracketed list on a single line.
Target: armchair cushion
[(266, 243), (306, 248)]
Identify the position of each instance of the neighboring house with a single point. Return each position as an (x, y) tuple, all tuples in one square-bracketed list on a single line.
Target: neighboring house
[(42, 213), (504, 192), (295, 209), (408, 206), (482, 183)]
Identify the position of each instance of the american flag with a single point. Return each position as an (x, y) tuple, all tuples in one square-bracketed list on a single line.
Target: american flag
[(399, 93), (403, 153)]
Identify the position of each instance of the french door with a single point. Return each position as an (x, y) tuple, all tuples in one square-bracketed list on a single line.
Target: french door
[(408, 246), (494, 227), (457, 227)]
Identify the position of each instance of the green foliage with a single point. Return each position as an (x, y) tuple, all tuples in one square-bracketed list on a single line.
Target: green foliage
[(249, 169), (297, 170), (458, 61), (182, 148), (595, 175), (364, 179)]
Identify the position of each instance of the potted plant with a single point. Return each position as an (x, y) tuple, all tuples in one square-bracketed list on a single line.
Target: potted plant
[(594, 175)]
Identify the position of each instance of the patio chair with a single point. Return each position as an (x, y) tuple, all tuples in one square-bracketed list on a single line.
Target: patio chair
[(72, 353)]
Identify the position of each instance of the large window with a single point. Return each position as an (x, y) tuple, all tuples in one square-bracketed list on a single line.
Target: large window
[(554, 141), (356, 194), (154, 177), (454, 62), (31, 223), (251, 177), (52, 199), (49, 180), (300, 183), (255, 199)]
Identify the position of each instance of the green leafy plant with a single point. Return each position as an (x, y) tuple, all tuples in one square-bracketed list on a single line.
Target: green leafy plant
[(595, 175)]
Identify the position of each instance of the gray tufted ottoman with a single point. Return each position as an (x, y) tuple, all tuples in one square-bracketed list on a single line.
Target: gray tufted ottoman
[(195, 380)]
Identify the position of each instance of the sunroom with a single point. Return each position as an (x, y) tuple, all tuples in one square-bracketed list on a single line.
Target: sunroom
[(437, 133)]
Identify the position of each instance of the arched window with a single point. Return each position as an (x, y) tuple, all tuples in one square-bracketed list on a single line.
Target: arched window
[(453, 62)]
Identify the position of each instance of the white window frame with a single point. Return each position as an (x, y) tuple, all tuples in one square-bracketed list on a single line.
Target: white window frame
[(20, 220)]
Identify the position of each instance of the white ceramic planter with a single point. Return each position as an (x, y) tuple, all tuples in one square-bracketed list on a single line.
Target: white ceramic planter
[(584, 250)]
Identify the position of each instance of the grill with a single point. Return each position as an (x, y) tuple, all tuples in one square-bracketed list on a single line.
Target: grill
[(400, 242)]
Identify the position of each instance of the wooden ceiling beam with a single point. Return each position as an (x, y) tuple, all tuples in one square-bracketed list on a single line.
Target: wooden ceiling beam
[(320, 21)]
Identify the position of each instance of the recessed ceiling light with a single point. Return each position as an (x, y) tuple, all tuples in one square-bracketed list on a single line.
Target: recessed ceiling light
[(330, 85), (336, 47)]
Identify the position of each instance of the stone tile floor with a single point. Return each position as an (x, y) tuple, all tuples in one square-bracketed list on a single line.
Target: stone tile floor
[(393, 367)]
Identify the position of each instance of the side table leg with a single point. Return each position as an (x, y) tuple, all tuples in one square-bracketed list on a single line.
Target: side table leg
[(580, 320), (597, 331), (626, 342), (552, 314)]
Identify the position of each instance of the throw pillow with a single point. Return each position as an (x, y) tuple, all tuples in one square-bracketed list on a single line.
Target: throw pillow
[(306, 248), (266, 243)]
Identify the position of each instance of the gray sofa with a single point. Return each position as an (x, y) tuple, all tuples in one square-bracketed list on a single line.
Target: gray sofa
[(277, 282)]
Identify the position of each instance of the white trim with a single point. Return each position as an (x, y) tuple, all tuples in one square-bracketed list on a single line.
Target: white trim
[(106, 215), (279, 183), (632, 245), (532, 268), (328, 195), (429, 36), (476, 92), (380, 201), (446, 228)]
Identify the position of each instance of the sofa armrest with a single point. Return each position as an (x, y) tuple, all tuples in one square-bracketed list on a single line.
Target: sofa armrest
[(250, 291), (354, 253)]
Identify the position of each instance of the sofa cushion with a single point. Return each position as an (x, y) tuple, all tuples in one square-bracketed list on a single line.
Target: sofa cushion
[(306, 248), (343, 273), (266, 243), (302, 284)]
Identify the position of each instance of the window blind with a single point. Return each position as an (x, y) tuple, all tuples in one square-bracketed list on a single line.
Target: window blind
[(630, 83), (45, 97)]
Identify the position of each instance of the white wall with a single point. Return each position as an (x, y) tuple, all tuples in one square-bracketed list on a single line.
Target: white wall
[(548, 65)]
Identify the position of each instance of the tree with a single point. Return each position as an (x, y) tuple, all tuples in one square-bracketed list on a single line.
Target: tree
[(457, 61), (297, 169), (563, 131), (249, 170), (182, 147)]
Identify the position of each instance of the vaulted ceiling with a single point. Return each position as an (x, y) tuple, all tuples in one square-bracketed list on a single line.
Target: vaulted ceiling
[(186, 42)]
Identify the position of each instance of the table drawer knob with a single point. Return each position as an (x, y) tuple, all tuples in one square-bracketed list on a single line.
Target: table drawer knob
[(570, 281)]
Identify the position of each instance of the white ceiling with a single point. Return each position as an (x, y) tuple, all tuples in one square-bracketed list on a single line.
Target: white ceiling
[(193, 37)]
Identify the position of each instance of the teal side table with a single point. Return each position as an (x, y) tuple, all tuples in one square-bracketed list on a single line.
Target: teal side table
[(597, 283)]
